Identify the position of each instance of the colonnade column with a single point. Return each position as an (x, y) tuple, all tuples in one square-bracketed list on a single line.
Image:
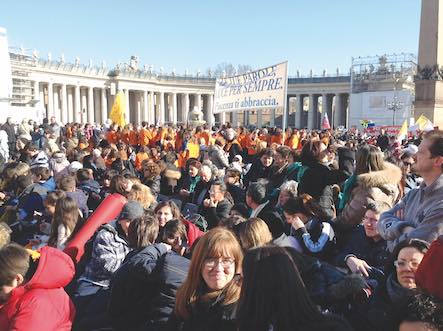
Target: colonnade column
[(338, 110), (104, 106), (234, 119), (272, 118), (161, 118), (127, 110), (174, 109), (185, 110), (198, 101), (259, 118), (56, 100), (145, 106), (311, 113), (64, 96), (84, 105), (151, 112), (77, 113), (71, 110), (138, 108), (91, 115), (210, 110), (325, 108), (50, 110), (298, 111)]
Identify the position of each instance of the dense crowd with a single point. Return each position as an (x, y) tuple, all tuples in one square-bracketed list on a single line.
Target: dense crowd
[(222, 228)]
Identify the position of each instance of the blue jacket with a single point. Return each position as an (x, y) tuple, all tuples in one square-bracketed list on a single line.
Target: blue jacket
[(33, 202), (373, 252)]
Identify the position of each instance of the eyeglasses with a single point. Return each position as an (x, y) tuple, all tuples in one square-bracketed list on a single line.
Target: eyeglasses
[(212, 262), (403, 264)]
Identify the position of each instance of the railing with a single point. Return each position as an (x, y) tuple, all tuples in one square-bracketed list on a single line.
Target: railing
[(319, 79)]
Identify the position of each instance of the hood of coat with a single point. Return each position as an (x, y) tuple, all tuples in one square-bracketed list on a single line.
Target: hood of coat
[(172, 173), (382, 178), (55, 269)]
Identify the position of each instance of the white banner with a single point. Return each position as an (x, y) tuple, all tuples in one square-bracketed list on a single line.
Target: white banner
[(260, 89)]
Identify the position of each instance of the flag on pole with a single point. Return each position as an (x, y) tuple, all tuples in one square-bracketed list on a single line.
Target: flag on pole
[(325, 124), (118, 111), (424, 124), (403, 133)]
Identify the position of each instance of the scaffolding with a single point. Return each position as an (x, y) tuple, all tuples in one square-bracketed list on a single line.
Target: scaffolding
[(23, 93), (371, 72)]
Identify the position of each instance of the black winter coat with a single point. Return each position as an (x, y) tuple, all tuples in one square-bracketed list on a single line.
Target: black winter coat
[(207, 316), (273, 220), (214, 215), (132, 286), (317, 181), (169, 274), (201, 191), (257, 171)]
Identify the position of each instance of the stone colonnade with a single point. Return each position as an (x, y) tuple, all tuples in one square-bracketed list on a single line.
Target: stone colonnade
[(307, 110), (87, 104), (304, 110)]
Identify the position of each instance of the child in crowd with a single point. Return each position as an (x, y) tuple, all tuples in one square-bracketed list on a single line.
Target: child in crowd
[(65, 223)]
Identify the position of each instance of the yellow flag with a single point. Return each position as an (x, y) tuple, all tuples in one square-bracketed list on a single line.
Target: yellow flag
[(118, 111), (403, 133), (423, 122)]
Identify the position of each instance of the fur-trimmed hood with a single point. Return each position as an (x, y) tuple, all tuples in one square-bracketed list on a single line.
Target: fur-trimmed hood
[(389, 176)]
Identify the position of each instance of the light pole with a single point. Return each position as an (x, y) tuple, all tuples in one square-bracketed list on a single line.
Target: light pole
[(394, 106)]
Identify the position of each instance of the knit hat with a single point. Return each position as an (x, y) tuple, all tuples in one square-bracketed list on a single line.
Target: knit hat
[(430, 271), (131, 210)]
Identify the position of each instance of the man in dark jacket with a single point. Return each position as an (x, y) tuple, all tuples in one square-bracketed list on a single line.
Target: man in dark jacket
[(201, 191), (68, 185), (89, 186), (10, 130), (257, 201), (279, 169), (216, 207)]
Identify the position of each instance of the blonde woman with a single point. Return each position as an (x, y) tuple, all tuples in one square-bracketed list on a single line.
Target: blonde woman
[(253, 233)]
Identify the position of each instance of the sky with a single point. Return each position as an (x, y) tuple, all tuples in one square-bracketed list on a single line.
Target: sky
[(197, 35)]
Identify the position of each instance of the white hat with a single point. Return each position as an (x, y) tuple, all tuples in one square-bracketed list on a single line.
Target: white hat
[(411, 149), (74, 166)]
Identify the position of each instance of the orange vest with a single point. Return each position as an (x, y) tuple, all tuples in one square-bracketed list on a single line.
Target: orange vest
[(133, 138), (277, 139), (139, 158), (251, 145), (143, 137), (111, 137)]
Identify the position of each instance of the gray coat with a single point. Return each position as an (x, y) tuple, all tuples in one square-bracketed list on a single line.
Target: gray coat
[(218, 157), (423, 210)]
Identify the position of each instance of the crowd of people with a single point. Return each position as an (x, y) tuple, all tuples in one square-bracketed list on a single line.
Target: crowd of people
[(219, 228)]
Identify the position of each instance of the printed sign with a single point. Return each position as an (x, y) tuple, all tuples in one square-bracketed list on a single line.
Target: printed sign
[(260, 89)]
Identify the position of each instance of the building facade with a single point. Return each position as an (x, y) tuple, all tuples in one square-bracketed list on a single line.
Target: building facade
[(74, 92)]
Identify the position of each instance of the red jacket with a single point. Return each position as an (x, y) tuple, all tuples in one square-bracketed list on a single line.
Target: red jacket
[(42, 303), (429, 274), (193, 232)]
